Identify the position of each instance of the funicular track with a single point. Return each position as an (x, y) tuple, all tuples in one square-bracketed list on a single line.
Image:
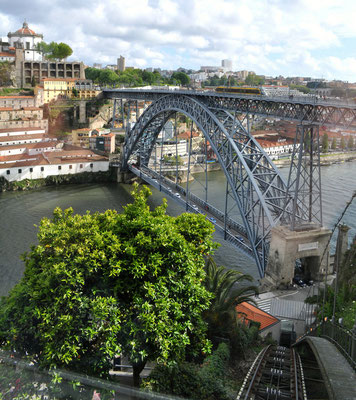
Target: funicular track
[(276, 374)]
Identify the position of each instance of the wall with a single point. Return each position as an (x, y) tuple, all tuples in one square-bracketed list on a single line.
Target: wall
[(50, 170)]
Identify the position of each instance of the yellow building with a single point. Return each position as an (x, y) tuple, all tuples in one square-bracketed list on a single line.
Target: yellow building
[(55, 87)]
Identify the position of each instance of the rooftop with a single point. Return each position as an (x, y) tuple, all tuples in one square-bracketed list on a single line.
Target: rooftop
[(252, 313)]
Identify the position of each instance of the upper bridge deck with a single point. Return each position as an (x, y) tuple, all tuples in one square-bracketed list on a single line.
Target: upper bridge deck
[(331, 113)]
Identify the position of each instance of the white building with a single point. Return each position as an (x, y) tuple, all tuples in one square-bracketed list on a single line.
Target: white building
[(226, 64), (27, 39)]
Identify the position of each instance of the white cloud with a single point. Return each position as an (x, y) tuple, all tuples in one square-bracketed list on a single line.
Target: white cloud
[(288, 37)]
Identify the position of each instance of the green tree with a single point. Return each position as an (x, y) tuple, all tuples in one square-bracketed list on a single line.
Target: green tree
[(103, 284), (181, 78), (225, 285), (342, 143), (325, 143), (350, 142), (333, 144), (254, 80), (55, 51)]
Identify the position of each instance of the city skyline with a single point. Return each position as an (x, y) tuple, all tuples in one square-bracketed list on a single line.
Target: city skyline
[(271, 37)]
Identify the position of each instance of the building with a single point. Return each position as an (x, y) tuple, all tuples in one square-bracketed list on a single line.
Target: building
[(53, 88), (28, 40), (48, 161), (104, 143), (226, 64), (97, 65), (22, 52), (121, 63), (268, 324)]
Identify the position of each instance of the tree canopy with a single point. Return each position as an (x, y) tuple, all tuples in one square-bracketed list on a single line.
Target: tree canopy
[(102, 284), (254, 80), (55, 51), (180, 78), (129, 77)]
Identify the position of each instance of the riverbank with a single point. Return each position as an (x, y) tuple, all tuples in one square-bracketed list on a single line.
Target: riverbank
[(325, 159), (56, 180)]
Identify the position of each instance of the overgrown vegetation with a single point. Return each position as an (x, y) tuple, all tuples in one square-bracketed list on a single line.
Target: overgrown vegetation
[(28, 184), (134, 77), (345, 300)]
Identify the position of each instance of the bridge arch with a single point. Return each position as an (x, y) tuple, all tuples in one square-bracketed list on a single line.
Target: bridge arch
[(254, 182)]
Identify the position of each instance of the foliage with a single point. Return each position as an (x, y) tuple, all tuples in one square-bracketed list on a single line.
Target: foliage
[(254, 80), (325, 143), (55, 51), (173, 160), (333, 144), (222, 81), (192, 381), (229, 291), (350, 142), (129, 77), (101, 284), (301, 88), (5, 73), (180, 78), (342, 143)]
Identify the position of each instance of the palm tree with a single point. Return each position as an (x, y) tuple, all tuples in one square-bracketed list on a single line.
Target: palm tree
[(228, 292)]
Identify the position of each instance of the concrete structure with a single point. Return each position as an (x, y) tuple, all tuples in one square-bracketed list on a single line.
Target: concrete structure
[(121, 63), (287, 246), (341, 246), (28, 40), (29, 70)]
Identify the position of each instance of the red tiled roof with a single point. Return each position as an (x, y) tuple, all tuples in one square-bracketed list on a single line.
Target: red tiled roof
[(21, 137), (16, 97), (6, 109), (25, 30), (2, 54), (21, 130), (37, 145), (186, 135), (252, 313)]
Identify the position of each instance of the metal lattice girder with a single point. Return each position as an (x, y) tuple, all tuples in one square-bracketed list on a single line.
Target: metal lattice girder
[(254, 182), (304, 181), (301, 109)]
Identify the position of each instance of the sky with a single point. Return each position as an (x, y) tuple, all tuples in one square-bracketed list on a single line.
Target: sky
[(310, 38)]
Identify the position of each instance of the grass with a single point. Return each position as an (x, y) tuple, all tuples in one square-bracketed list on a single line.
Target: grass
[(8, 91)]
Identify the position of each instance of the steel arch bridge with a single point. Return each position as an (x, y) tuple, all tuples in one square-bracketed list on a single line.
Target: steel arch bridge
[(253, 181)]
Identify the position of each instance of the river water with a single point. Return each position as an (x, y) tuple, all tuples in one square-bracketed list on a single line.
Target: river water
[(21, 211)]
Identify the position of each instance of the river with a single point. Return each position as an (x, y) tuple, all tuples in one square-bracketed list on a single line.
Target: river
[(21, 211)]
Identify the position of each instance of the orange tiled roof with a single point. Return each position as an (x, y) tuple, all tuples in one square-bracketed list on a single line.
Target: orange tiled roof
[(21, 129), (252, 313), (2, 54)]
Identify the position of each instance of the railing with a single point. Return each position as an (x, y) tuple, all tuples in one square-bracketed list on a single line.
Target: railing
[(343, 339)]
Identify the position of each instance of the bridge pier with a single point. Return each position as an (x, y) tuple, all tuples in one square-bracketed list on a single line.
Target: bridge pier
[(287, 246)]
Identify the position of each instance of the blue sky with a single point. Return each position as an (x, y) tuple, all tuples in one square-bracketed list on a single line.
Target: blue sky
[(314, 38)]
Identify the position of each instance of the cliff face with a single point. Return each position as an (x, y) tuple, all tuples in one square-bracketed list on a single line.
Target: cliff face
[(7, 74)]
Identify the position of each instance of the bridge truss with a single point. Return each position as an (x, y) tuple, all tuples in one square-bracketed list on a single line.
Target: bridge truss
[(254, 185)]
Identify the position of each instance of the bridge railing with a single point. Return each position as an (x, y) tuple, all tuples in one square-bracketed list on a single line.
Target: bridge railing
[(344, 339)]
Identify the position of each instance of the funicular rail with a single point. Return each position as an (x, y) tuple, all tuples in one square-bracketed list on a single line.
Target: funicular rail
[(276, 374)]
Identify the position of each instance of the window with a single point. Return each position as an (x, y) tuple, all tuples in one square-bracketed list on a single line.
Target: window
[(70, 167), (81, 166), (31, 169), (59, 167), (27, 46), (91, 165), (42, 169), (8, 172), (19, 170)]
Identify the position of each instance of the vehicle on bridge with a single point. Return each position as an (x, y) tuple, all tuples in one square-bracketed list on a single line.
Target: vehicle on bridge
[(240, 90)]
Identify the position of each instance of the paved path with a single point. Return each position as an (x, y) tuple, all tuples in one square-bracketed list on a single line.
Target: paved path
[(339, 377)]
